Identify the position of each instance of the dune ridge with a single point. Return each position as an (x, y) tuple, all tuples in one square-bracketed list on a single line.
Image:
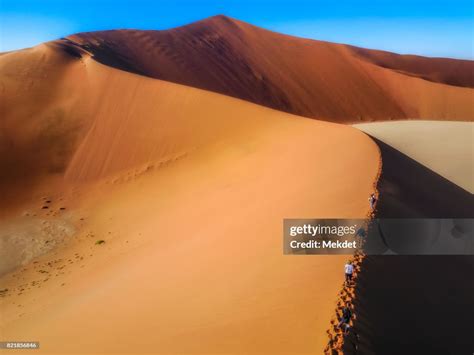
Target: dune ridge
[(309, 78), (338, 341)]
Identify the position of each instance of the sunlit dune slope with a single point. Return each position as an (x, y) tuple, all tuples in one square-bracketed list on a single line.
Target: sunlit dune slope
[(309, 78), (447, 148), (188, 190)]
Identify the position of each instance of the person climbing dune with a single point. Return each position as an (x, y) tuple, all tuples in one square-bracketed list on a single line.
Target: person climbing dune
[(348, 270), (345, 318), (372, 201)]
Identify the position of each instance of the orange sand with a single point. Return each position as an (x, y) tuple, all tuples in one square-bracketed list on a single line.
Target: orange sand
[(188, 190)]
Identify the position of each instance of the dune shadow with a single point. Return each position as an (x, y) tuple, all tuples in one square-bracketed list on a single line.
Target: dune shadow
[(415, 304), (409, 189)]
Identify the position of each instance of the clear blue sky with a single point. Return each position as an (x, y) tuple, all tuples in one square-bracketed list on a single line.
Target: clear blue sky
[(432, 28)]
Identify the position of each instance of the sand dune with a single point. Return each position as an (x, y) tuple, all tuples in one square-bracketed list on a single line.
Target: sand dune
[(447, 148), (155, 208), (188, 190), (440, 70), (309, 78)]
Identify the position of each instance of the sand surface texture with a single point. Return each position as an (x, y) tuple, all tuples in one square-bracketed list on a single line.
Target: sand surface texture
[(165, 205)]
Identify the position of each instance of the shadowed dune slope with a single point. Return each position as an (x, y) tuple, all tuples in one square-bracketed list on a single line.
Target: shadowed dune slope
[(415, 304), (411, 190), (403, 307), (188, 189), (309, 78)]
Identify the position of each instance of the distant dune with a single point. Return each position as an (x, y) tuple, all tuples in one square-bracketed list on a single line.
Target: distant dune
[(175, 198), (441, 70), (309, 78), (447, 148)]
